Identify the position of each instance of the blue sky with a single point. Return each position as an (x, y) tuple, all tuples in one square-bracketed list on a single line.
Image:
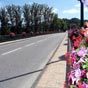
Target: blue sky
[(64, 8)]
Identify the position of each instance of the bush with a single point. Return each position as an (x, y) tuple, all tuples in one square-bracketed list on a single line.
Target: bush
[(24, 33), (37, 33), (12, 34)]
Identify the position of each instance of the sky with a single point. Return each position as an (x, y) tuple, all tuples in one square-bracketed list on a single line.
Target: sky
[(64, 8)]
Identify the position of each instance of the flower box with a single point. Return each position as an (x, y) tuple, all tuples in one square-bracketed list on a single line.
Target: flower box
[(77, 59)]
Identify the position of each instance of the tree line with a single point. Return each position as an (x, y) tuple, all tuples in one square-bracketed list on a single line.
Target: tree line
[(34, 18)]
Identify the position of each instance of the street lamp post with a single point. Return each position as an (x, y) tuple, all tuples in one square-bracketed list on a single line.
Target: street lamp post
[(81, 13)]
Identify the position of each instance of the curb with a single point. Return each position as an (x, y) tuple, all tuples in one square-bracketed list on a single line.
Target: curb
[(13, 41), (44, 69), (9, 42), (18, 40)]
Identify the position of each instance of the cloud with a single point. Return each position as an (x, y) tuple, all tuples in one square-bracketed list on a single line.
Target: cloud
[(75, 10), (77, 5), (55, 10), (71, 11), (30, 2), (85, 9)]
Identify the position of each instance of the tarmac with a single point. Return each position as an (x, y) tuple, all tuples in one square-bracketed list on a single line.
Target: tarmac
[(54, 75)]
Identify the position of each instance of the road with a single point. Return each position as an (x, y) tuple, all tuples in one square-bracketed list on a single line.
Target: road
[(22, 62)]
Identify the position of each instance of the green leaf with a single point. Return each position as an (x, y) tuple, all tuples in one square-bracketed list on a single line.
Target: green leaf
[(84, 66), (77, 50), (87, 54)]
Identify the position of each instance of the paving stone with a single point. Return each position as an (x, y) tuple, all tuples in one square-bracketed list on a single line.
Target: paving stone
[(55, 73)]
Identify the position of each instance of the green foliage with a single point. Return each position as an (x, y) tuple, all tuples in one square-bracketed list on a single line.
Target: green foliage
[(35, 18), (85, 65)]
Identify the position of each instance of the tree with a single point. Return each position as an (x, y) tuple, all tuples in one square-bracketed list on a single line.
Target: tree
[(36, 16), (74, 21), (18, 20), (4, 21), (55, 25), (65, 27), (10, 12), (27, 17), (40, 20)]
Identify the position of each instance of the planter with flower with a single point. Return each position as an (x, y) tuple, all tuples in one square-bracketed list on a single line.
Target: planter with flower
[(77, 59)]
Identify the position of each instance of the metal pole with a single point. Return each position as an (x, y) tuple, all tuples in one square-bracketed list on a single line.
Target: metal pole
[(81, 14)]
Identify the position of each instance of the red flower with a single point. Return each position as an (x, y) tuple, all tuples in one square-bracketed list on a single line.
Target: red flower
[(67, 55), (79, 38), (73, 38), (76, 44), (69, 61), (86, 40), (79, 85)]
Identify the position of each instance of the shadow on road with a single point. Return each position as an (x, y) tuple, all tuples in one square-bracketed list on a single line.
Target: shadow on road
[(7, 79), (61, 58)]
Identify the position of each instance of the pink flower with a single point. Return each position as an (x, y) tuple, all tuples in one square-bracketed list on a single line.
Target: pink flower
[(84, 85), (83, 73), (74, 57), (73, 50), (71, 78), (82, 52), (76, 65), (86, 32), (81, 60), (78, 73)]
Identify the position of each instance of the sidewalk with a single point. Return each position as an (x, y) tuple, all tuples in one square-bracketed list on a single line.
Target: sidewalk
[(55, 74)]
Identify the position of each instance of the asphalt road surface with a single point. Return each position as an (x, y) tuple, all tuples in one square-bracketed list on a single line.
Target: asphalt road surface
[(22, 62)]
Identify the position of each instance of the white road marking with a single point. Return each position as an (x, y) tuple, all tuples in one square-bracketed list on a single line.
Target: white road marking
[(29, 44), (39, 41), (11, 51), (25, 46)]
